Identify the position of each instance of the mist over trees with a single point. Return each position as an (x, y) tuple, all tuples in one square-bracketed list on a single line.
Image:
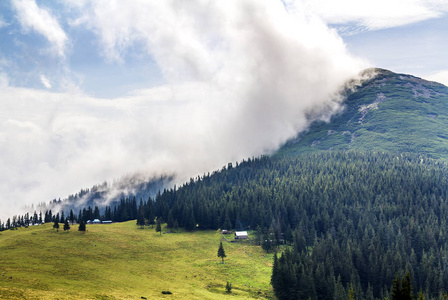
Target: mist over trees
[(351, 221)]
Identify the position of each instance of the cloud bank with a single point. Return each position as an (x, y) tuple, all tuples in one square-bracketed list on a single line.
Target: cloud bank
[(241, 77)]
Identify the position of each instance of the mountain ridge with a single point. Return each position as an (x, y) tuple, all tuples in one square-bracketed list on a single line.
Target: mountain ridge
[(385, 112)]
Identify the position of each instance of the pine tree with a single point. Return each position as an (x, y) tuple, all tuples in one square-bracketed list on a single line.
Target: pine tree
[(221, 252), (72, 216), (421, 296), (159, 226), (82, 226), (141, 217), (170, 220), (191, 222), (351, 293), (402, 291), (406, 287), (56, 224), (66, 225)]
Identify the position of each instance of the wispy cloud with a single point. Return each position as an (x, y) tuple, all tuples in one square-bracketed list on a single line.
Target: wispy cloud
[(375, 15), (45, 81), (40, 20), (3, 23)]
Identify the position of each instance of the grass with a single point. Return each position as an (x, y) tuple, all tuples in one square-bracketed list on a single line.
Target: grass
[(121, 261)]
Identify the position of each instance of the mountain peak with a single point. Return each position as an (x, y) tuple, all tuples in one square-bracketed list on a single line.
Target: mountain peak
[(384, 111)]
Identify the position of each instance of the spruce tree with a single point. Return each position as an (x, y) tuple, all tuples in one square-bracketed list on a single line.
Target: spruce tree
[(82, 226), (66, 225), (170, 220), (72, 216), (141, 217), (191, 222), (56, 224), (221, 252)]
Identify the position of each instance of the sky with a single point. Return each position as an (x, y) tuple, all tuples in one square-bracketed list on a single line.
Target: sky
[(91, 91)]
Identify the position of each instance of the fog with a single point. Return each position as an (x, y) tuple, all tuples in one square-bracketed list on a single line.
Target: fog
[(240, 78)]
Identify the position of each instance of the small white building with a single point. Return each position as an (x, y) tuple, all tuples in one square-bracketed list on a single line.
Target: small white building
[(96, 221), (240, 235)]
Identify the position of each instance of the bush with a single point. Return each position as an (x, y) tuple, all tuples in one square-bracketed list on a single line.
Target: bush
[(228, 287)]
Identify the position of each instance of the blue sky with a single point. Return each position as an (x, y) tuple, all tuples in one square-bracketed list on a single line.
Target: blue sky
[(94, 90), (27, 54)]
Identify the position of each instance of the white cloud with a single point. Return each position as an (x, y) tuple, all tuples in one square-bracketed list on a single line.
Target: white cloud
[(440, 76), (379, 14), (45, 81), (4, 79), (32, 17), (242, 78)]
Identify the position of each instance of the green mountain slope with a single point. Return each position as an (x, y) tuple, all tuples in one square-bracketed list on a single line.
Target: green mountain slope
[(389, 112)]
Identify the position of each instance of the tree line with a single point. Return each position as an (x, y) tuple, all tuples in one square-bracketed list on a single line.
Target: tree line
[(349, 221)]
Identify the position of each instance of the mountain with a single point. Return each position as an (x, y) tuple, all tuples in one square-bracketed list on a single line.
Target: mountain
[(388, 112), (343, 222)]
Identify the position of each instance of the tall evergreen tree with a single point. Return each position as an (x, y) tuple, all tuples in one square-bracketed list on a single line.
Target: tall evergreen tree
[(56, 224), (141, 217), (66, 225), (72, 216), (221, 252), (82, 226)]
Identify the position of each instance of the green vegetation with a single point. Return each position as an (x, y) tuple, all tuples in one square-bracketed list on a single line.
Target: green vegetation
[(346, 221), (122, 261), (390, 112), (350, 218), (221, 252)]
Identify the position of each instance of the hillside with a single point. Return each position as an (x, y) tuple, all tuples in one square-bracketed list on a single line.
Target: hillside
[(122, 261), (389, 112), (345, 220)]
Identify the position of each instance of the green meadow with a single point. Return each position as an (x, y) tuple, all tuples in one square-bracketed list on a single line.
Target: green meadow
[(122, 261)]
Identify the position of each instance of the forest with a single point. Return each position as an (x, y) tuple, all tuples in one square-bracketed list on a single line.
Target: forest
[(341, 221)]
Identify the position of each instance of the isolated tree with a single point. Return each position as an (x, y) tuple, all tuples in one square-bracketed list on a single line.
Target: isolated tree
[(221, 252), (159, 226), (228, 287), (66, 225), (82, 226), (56, 224)]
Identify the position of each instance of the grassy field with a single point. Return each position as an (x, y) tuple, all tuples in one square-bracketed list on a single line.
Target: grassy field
[(121, 261)]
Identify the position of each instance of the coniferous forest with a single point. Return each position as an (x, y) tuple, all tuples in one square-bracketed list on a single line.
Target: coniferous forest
[(343, 223)]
